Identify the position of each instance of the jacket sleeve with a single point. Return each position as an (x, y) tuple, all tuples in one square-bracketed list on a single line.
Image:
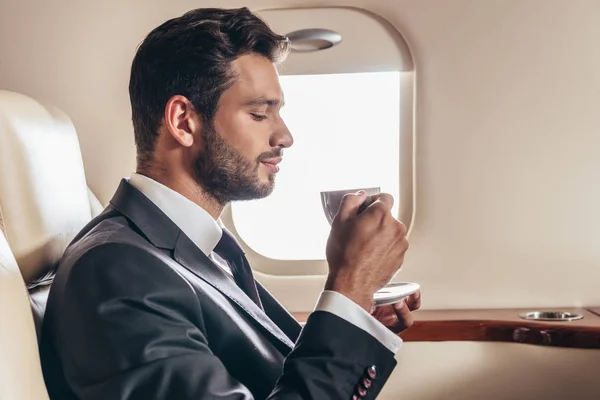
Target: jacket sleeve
[(130, 328)]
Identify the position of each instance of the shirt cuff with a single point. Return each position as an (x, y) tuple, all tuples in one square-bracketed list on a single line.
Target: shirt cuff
[(338, 304)]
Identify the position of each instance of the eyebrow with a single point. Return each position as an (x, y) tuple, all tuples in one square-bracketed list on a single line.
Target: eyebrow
[(262, 101)]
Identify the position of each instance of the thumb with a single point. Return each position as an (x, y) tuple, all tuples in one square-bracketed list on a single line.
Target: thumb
[(350, 204)]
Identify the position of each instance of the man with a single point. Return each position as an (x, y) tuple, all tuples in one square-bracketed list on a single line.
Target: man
[(155, 300)]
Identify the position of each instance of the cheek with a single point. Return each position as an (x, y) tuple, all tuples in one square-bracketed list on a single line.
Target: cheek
[(249, 137)]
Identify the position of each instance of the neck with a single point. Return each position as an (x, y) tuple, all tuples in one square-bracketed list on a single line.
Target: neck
[(187, 187)]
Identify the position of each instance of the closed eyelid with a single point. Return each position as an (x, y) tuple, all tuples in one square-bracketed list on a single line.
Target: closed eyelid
[(258, 116)]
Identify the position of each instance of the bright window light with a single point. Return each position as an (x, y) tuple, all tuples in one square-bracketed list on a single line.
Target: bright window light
[(346, 130)]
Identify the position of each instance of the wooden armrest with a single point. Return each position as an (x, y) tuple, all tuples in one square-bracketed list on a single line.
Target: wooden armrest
[(502, 325)]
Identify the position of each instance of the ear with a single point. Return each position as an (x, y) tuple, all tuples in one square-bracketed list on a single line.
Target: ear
[(182, 120)]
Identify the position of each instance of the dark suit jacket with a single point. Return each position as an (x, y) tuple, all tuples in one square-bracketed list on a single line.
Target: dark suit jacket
[(138, 312)]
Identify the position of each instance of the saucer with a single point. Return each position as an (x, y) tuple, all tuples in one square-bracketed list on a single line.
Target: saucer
[(394, 292)]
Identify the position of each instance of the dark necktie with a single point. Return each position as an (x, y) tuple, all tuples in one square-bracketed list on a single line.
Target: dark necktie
[(229, 249)]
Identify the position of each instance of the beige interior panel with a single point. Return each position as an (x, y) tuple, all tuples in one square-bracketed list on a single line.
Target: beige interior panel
[(499, 371)]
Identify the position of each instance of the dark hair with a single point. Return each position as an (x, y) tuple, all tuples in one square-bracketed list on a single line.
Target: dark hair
[(191, 56)]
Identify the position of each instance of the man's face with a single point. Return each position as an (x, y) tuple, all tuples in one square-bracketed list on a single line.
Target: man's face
[(240, 151)]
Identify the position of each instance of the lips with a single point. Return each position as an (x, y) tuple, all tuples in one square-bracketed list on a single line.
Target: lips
[(272, 164)]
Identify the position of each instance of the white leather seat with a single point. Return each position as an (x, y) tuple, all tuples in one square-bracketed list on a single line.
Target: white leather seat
[(20, 370), (44, 202)]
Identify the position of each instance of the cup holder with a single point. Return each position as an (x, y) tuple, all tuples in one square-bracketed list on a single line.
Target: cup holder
[(556, 316)]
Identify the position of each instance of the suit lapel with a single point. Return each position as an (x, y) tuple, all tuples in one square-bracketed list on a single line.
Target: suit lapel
[(286, 322), (187, 254), (163, 233)]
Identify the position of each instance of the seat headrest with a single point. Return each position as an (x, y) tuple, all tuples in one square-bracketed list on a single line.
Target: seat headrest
[(44, 198)]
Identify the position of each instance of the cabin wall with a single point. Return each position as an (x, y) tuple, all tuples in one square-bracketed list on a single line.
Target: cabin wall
[(507, 130), (498, 371)]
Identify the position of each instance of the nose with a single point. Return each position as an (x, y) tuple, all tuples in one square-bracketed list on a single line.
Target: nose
[(282, 137)]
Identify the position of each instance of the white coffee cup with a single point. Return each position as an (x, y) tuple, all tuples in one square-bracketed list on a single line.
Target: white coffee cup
[(331, 200)]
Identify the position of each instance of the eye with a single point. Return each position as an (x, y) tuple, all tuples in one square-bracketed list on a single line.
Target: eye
[(258, 117)]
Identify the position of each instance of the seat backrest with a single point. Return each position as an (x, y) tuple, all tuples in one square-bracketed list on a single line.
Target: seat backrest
[(20, 371), (44, 202)]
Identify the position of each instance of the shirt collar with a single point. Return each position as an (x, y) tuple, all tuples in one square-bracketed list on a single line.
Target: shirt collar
[(193, 220)]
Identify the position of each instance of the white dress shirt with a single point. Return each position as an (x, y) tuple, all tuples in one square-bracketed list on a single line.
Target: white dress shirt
[(205, 232)]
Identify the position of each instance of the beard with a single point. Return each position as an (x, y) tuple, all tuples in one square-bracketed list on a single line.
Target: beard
[(226, 174)]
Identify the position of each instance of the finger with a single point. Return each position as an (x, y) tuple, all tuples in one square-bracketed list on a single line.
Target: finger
[(350, 204), (381, 206), (368, 201), (382, 312), (414, 301), (388, 317), (403, 313), (383, 198), (379, 211)]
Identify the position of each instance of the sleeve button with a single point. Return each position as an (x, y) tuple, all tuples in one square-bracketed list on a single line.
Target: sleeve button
[(362, 392), (372, 372)]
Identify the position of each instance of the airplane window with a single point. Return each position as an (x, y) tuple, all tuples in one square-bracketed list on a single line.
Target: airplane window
[(346, 135)]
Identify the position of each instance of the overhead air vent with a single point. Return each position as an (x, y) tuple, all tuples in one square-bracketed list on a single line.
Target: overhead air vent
[(309, 40)]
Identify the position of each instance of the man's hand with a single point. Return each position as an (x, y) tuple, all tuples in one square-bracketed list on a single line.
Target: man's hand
[(364, 250), (397, 317)]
